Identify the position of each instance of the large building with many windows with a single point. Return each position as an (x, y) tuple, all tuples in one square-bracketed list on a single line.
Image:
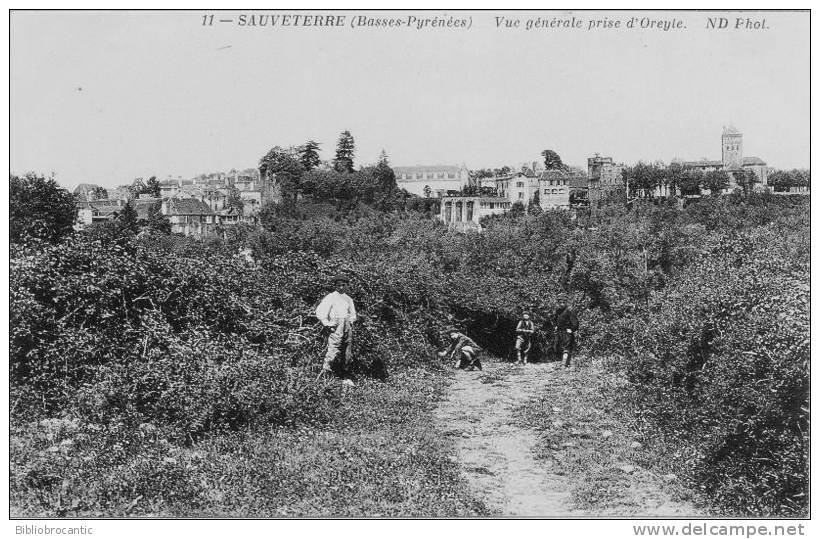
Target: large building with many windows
[(518, 187), (556, 186), (553, 187), (426, 181)]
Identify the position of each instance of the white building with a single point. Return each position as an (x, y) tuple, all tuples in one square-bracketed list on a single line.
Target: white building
[(465, 212), (555, 186), (518, 187), (424, 180)]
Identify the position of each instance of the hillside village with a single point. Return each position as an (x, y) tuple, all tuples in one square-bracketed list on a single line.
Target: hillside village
[(206, 204), (194, 207)]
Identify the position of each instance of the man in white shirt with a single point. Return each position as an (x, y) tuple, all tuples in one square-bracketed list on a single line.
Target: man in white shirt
[(337, 312)]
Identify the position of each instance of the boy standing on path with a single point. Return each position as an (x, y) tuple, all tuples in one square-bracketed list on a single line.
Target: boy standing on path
[(523, 338), (337, 312), (566, 325)]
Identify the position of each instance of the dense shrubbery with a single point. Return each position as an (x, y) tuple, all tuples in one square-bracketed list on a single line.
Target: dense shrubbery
[(719, 355), (39, 209), (186, 338)]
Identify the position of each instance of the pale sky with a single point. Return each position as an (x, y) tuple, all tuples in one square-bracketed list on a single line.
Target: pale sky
[(105, 97)]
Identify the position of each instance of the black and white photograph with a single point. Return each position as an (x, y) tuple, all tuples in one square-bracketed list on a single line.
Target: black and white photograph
[(278, 264)]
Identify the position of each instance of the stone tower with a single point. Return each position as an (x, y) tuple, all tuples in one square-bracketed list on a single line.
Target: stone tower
[(732, 148)]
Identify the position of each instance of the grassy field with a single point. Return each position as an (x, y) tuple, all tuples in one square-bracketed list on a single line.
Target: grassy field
[(380, 457)]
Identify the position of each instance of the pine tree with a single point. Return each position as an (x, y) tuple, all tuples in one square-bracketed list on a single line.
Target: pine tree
[(385, 175), (345, 150), (309, 155)]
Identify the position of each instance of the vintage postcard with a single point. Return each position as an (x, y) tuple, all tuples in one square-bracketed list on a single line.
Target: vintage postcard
[(272, 264)]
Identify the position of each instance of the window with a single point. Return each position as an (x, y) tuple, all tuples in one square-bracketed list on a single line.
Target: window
[(546, 191), (520, 195), (519, 184), (451, 175), (492, 205)]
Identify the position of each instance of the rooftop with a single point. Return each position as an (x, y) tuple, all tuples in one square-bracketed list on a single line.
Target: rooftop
[(426, 168), (83, 187), (476, 197), (188, 206), (703, 163)]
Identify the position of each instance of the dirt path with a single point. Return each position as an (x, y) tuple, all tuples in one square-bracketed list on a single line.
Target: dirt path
[(534, 441)]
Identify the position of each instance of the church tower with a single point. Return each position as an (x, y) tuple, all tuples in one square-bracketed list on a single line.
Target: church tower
[(732, 148)]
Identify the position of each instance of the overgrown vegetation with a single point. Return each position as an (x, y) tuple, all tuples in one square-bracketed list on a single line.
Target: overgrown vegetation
[(144, 367)]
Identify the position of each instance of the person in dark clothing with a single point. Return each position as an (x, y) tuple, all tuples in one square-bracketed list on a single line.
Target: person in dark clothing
[(566, 326), (463, 349)]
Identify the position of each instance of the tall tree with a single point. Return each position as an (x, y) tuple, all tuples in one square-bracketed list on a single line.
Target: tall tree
[(152, 187), (383, 158), (644, 177), (39, 208), (385, 175), (345, 150), (309, 155), (552, 161)]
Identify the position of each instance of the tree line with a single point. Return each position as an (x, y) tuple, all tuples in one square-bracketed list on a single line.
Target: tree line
[(299, 171), (643, 178)]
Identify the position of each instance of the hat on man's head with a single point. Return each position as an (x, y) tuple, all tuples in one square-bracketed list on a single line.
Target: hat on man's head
[(340, 277)]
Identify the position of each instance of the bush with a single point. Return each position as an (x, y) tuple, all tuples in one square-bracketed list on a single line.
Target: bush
[(190, 338), (39, 209)]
